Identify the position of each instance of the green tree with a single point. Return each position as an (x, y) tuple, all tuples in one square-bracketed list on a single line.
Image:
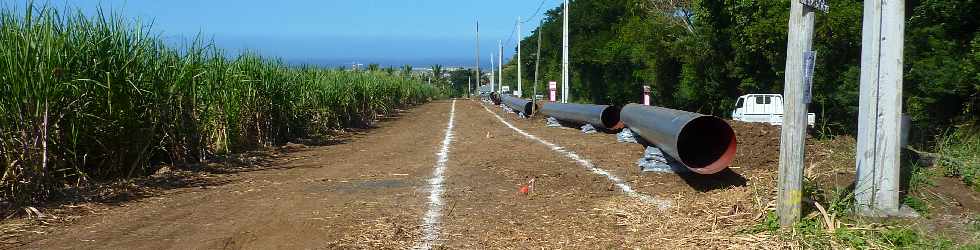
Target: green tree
[(701, 55), (437, 71), (407, 70)]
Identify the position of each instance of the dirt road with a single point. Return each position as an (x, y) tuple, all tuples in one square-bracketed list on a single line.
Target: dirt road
[(388, 189)]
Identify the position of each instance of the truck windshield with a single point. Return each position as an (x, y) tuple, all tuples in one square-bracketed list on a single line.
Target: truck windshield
[(740, 103)]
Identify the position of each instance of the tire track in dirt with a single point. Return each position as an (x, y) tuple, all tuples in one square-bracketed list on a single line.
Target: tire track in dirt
[(366, 193)]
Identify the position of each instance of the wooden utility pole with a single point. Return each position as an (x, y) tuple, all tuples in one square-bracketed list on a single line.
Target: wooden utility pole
[(792, 141), (537, 63), (500, 64), (876, 192), (564, 55), (493, 79)]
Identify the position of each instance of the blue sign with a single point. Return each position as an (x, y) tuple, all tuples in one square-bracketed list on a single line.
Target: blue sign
[(809, 64)]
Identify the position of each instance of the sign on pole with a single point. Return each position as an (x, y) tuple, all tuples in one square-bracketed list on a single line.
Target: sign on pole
[(820, 5), (809, 64)]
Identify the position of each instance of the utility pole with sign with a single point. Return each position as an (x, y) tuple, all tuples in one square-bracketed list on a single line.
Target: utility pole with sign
[(799, 70)]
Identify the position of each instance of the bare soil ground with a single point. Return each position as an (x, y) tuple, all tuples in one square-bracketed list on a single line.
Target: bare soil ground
[(371, 192)]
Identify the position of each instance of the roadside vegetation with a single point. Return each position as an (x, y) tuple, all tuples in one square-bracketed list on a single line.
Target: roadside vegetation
[(701, 55), (958, 153), (90, 98), (833, 225), (829, 220)]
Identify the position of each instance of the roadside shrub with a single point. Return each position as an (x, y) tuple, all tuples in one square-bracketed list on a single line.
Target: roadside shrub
[(959, 155)]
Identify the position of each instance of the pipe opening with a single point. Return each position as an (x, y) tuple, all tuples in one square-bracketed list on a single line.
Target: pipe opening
[(527, 109), (610, 118), (707, 143)]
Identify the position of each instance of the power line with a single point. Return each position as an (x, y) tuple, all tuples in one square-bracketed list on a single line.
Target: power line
[(538, 11), (513, 30)]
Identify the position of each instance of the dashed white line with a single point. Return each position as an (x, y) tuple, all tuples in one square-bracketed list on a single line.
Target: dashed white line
[(622, 185), (430, 223)]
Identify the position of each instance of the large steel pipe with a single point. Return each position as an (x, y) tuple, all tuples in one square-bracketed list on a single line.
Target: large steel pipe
[(517, 104), (488, 95), (600, 116), (491, 97), (704, 144)]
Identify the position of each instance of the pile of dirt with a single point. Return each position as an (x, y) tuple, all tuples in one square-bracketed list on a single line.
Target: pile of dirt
[(758, 145)]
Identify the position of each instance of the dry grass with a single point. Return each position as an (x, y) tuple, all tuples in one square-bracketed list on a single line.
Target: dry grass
[(713, 220), (383, 233)]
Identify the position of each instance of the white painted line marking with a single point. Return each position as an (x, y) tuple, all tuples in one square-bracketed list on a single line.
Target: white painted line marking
[(622, 185), (430, 223)]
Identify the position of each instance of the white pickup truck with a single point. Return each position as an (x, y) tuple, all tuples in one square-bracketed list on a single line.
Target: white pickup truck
[(766, 108)]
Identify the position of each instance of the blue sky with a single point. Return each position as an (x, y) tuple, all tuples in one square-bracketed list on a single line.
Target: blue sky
[(420, 32)]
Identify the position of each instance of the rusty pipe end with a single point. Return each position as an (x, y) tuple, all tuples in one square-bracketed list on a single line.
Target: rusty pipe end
[(707, 145), (618, 126), (610, 118)]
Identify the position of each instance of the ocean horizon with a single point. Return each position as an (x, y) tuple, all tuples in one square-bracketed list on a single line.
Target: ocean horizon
[(384, 63)]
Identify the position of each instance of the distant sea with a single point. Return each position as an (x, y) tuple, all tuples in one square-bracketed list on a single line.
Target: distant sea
[(416, 63)]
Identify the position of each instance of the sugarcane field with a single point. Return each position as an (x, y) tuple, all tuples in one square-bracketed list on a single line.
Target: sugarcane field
[(588, 124)]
